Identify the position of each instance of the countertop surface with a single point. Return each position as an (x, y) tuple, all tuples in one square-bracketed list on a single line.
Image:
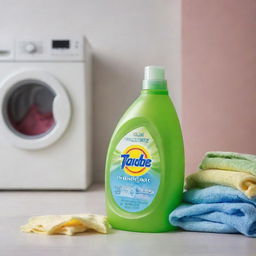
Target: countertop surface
[(17, 207)]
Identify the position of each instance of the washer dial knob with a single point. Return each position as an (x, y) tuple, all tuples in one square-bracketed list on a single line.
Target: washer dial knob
[(30, 48)]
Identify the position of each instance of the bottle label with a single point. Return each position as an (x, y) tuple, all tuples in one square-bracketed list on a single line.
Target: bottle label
[(135, 171)]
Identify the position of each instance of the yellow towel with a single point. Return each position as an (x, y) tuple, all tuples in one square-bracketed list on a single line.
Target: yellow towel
[(244, 182), (66, 224)]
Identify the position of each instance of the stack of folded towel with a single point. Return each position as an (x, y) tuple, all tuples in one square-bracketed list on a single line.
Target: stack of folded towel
[(221, 196)]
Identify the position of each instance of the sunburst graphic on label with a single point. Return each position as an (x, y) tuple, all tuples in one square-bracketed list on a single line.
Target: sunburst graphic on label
[(136, 160)]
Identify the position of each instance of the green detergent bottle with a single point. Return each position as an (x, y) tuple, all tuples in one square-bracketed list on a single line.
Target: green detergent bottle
[(145, 161)]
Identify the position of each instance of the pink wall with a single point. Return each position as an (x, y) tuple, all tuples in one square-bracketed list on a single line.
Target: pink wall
[(219, 77)]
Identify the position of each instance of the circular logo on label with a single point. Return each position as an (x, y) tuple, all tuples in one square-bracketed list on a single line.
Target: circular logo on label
[(136, 160)]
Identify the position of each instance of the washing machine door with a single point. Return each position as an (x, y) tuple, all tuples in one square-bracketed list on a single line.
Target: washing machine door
[(35, 109)]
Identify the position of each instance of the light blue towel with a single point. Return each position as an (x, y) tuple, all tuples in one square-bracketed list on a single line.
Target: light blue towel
[(216, 209)]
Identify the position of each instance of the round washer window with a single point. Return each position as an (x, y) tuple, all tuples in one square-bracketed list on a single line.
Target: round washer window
[(28, 108)]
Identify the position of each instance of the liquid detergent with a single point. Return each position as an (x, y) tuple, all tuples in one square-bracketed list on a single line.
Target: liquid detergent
[(145, 161)]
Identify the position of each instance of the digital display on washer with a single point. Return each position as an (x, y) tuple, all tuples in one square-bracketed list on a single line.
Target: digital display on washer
[(62, 44)]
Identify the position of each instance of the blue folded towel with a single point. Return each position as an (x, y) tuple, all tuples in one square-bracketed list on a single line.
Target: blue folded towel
[(218, 209)]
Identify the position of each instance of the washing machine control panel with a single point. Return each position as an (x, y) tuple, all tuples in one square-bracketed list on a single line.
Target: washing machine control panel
[(51, 49)]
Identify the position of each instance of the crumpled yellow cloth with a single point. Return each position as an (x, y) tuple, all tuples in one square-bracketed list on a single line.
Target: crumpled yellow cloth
[(245, 182), (67, 224)]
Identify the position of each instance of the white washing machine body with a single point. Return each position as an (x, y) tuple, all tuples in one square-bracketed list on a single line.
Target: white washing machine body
[(50, 147)]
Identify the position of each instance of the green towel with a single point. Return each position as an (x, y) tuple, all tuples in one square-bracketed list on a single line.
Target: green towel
[(229, 161)]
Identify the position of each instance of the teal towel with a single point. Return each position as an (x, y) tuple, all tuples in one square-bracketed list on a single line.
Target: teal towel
[(216, 209), (229, 161)]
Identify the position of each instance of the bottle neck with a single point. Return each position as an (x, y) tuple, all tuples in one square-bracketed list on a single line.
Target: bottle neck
[(154, 87), (154, 92), (154, 84)]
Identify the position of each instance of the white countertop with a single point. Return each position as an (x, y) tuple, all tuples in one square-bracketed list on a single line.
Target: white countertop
[(17, 207)]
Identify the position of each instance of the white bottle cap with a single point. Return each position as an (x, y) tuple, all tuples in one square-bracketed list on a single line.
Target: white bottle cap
[(154, 73)]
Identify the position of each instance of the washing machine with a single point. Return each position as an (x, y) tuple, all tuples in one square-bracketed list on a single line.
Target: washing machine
[(45, 117)]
